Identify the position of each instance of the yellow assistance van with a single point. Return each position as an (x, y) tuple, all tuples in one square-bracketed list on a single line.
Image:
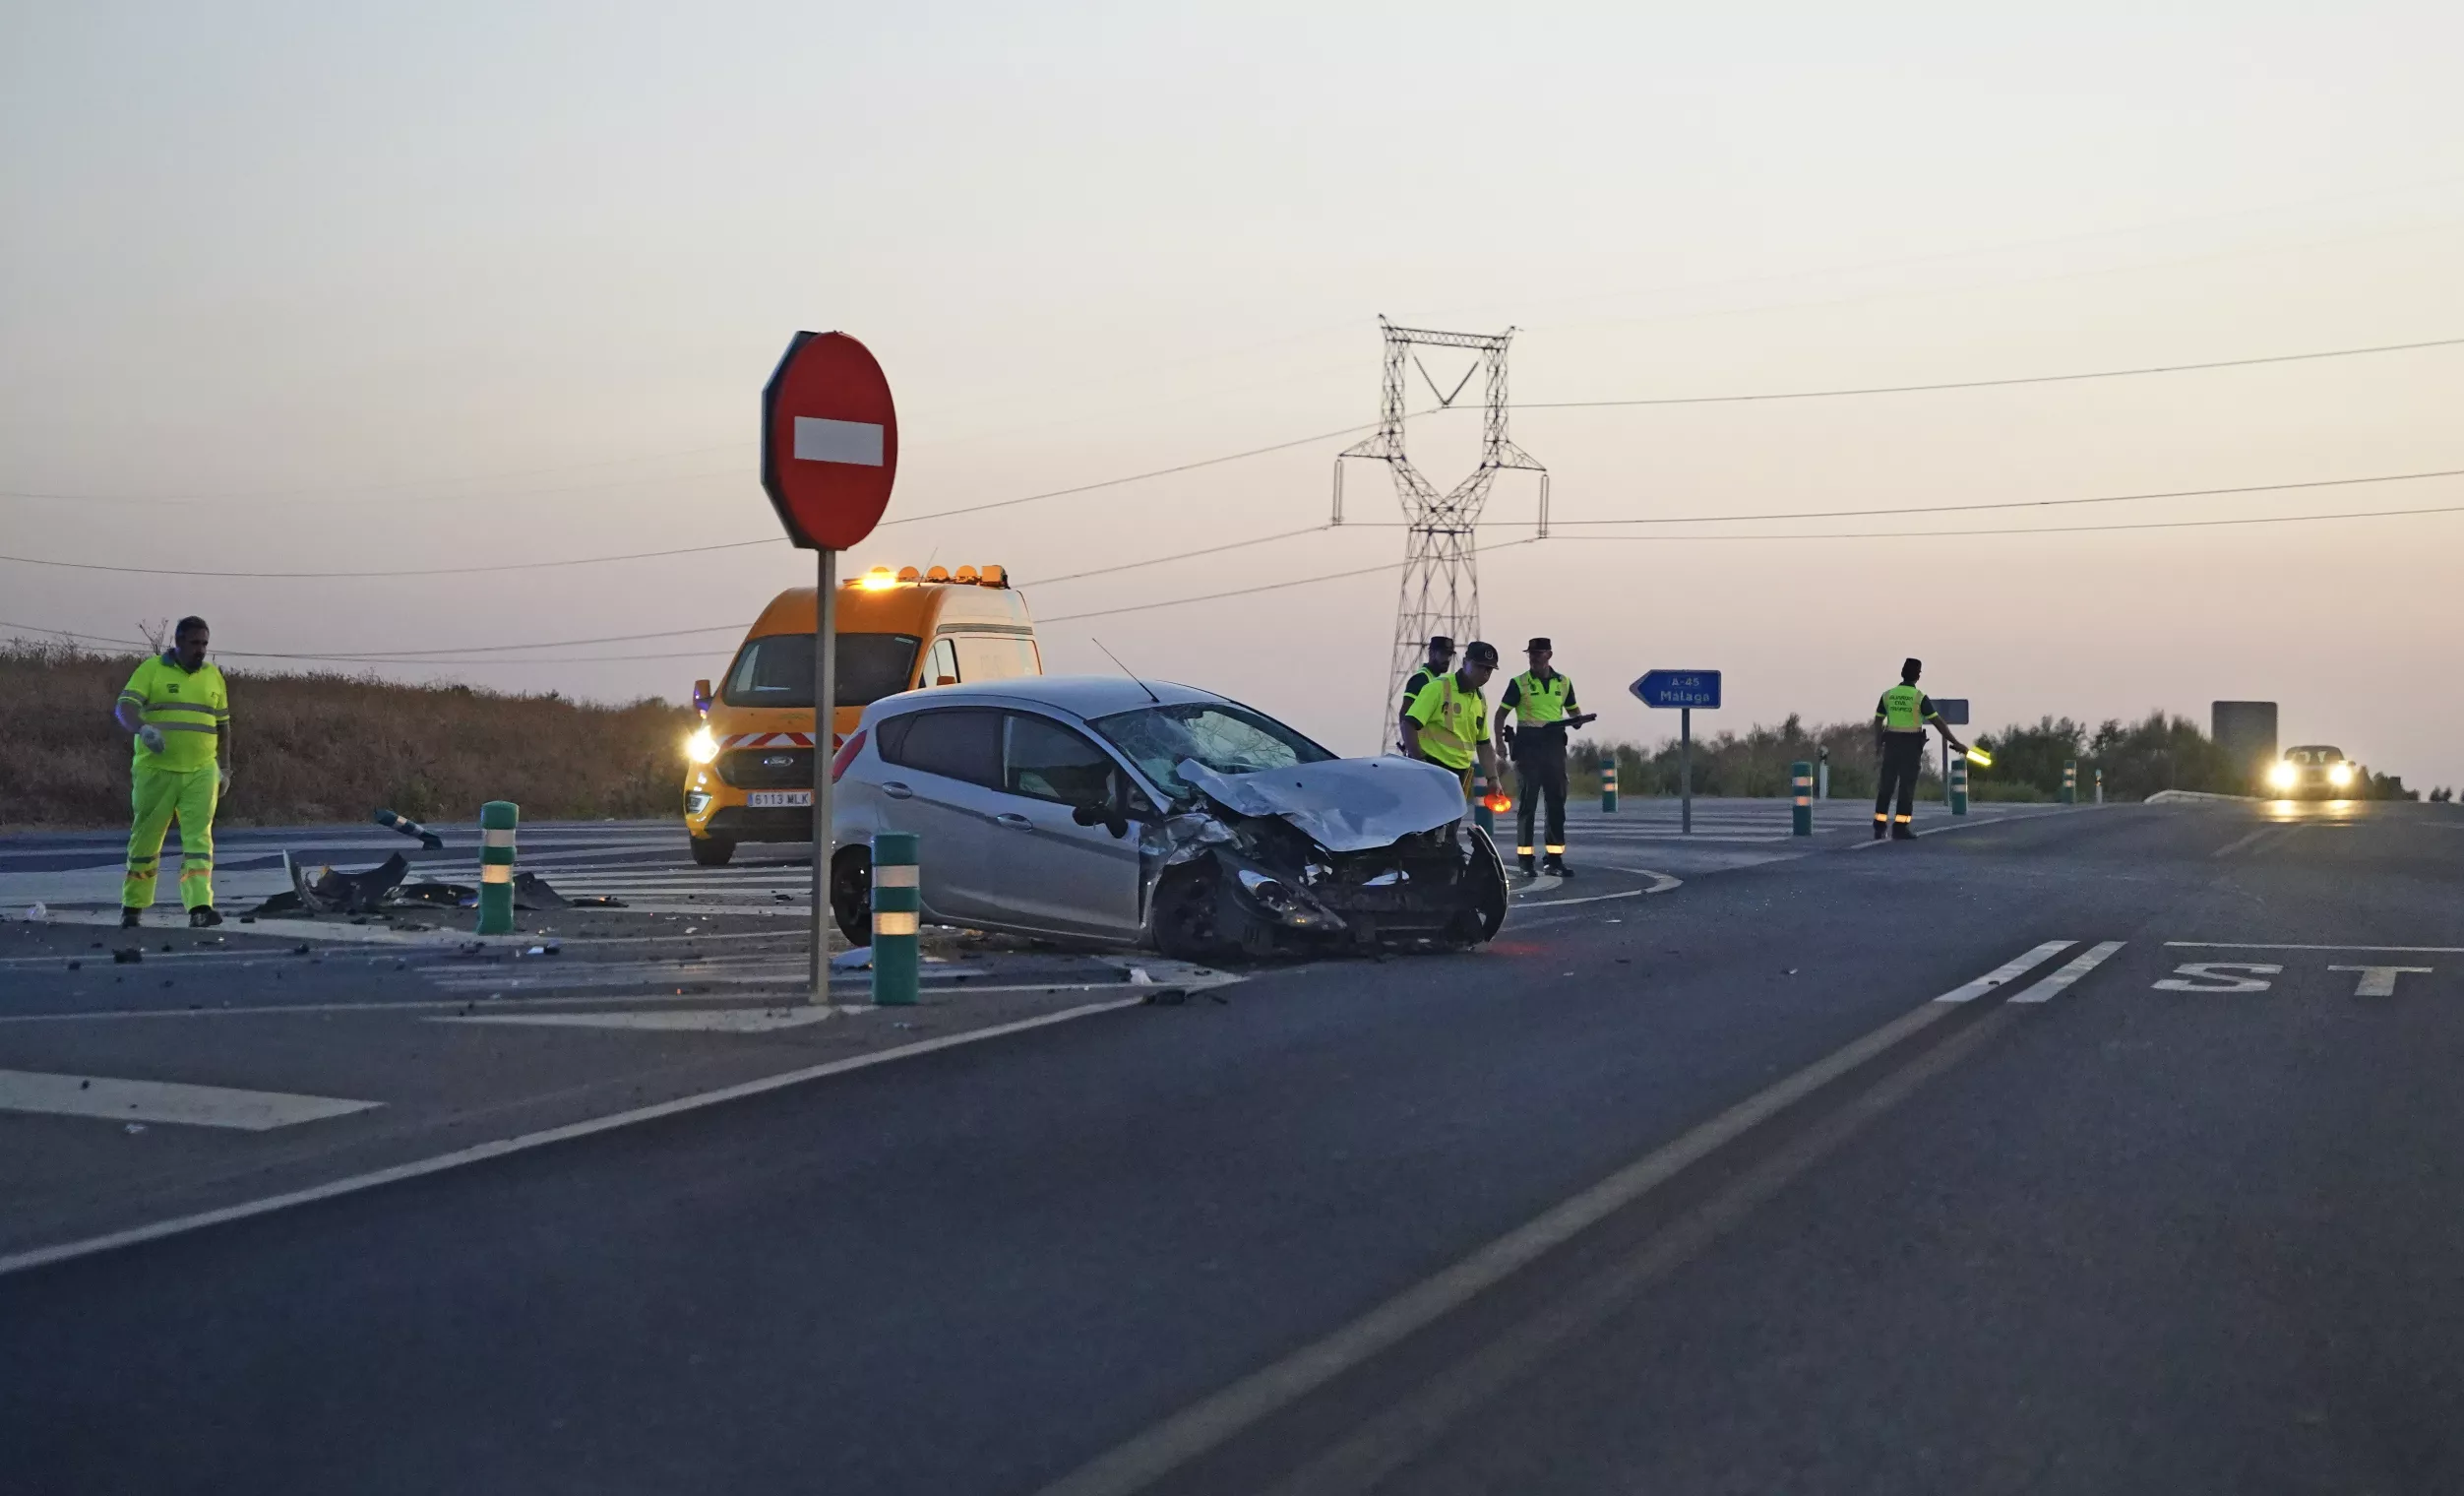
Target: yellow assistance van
[(749, 766)]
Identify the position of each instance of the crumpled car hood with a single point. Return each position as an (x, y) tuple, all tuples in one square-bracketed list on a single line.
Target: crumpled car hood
[(1344, 805)]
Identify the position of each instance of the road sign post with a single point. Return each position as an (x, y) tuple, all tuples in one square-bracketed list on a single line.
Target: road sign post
[(1823, 774), (829, 453), (1683, 690), (1954, 711)]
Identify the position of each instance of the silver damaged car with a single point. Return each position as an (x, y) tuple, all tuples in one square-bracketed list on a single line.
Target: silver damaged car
[(1107, 811)]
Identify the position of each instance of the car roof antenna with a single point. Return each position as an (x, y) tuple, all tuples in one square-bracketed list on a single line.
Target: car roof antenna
[(1125, 670)]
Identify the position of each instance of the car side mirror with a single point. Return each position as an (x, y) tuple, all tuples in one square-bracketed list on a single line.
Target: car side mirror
[(1111, 813), (702, 696)]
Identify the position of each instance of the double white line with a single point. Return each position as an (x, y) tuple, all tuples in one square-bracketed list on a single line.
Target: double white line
[(1388, 1440)]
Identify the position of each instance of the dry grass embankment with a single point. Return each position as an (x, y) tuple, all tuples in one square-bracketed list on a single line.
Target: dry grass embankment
[(314, 748)]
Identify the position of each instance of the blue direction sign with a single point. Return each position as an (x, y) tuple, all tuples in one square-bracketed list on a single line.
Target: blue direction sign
[(1678, 688)]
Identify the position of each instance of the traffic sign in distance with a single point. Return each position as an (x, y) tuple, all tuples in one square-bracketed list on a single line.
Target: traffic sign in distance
[(1678, 688), (1953, 710), (829, 441)]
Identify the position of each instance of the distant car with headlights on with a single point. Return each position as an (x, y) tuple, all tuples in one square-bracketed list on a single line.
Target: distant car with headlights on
[(2314, 772)]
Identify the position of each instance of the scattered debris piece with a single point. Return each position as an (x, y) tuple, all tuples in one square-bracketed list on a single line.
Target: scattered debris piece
[(858, 960), (127, 956), (36, 912), (134, 1128), (409, 828)]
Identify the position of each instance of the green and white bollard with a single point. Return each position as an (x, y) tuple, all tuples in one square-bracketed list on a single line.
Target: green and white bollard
[(1801, 815), (1481, 816), (1960, 786), (2100, 787), (2069, 782), (896, 904), (497, 820), (1608, 786)]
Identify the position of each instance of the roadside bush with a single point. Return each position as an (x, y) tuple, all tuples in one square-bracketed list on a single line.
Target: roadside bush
[(321, 747)]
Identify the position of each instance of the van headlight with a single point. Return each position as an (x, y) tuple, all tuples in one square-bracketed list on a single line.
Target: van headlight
[(2284, 777), (701, 747)]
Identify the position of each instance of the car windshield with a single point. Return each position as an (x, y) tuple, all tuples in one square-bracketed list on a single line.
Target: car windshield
[(776, 669), (1227, 739)]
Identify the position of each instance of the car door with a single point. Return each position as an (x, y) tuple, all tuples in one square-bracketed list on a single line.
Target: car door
[(941, 778), (1056, 874)]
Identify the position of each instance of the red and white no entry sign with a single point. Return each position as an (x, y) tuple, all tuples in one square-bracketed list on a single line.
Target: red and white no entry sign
[(829, 441)]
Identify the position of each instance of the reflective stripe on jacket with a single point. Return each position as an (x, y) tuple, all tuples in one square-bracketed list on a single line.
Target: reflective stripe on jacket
[(1538, 703), (189, 708), (1453, 721)]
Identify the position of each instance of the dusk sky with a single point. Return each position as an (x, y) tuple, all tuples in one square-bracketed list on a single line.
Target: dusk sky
[(320, 289)]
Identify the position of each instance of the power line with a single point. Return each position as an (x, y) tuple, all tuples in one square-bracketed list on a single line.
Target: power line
[(1186, 556), (324, 491), (2111, 498), (1251, 591), (431, 571), (1986, 384), (2054, 529)]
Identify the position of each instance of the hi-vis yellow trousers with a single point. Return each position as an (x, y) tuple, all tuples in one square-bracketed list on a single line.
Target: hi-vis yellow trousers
[(158, 795)]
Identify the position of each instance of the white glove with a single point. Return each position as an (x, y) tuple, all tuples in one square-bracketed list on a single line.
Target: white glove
[(221, 779), (152, 736)]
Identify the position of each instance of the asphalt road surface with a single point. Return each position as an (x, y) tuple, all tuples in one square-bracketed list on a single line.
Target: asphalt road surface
[(2090, 1150)]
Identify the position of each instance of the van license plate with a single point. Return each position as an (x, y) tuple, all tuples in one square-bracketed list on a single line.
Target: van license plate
[(771, 800)]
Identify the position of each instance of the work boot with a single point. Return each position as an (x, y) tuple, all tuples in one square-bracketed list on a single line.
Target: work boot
[(1903, 833), (203, 917), (1881, 830), (127, 918), (1524, 866), (1557, 867)]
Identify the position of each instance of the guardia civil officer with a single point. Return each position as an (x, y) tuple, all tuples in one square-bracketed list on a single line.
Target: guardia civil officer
[(1440, 660), (1448, 720), (1900, 721), (1543, 702)]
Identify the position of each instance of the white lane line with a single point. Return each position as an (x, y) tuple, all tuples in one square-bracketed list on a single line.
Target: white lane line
[(2006, 973), (254, 1111), (1661, 883), (2262, 945), (665, 1020), (2077, 966), (2239, 843), (1131, 1467), (21, 1262)]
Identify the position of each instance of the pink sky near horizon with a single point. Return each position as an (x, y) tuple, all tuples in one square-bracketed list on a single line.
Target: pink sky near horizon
[(323, 292)]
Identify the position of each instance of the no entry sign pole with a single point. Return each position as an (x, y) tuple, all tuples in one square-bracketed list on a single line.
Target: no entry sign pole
[(825, 739), (829, 453)]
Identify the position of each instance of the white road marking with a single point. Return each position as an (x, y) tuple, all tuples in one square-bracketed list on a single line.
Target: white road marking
[(664, 1020), (2077, 966), (2006, 973), (1147, 1458), (2262, 945), (481, 1152), (2239, 843), (2380, 981), (2219, 976), (1661, 883), (255, 1111)]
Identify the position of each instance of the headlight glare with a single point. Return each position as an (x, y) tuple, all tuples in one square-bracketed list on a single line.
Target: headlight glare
[(2282, 777), (701, 747), (2340, 775)]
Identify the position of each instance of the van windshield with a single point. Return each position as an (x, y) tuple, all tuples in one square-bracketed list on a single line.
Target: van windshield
[(776, 669)]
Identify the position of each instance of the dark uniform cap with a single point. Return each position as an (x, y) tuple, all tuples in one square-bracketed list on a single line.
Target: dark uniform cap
[(1441, 641), (1480, 653), (1537, 644)]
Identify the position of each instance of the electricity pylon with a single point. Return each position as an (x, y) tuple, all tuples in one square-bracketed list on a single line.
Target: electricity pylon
[(1440, 590)]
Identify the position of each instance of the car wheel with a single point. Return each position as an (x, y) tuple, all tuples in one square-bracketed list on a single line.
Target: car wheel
[(1184, 920), (1484, 890), (851, 894), (712, 851)]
